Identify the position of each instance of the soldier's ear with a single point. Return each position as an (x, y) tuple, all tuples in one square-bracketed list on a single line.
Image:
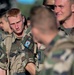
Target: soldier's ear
[(72, 8), (23, 18)]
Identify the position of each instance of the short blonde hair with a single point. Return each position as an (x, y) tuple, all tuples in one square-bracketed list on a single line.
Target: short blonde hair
[(4, 17), (13, 12)]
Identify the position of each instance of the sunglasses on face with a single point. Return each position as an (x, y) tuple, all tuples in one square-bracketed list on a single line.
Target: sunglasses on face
[(1, 22), (50, 6)]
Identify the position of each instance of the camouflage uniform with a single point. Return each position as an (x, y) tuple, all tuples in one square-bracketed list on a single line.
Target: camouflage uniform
[(0, 34), (41, 54), (3, 35), (3, 55), (72, 31), (18, 55), (58, 62), (66, 30)]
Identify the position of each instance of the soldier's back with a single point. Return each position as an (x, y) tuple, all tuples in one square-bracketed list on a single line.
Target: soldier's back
[(59, 59)]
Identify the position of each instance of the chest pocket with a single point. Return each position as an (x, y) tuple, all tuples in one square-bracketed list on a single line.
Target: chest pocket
[(16, 47), (15, 57)]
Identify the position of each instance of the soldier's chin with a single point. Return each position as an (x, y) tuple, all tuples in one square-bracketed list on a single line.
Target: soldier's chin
[(60, 19), (40, 42), (18, 32)]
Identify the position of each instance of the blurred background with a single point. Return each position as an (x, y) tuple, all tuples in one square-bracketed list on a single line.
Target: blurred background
[(23, 5)]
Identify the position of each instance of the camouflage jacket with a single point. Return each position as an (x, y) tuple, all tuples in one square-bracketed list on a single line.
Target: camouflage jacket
[(58, 62), (42, 53), (3, 35), (0, 35), (18, 55), (3, 42), (68, 31), (20, 52)]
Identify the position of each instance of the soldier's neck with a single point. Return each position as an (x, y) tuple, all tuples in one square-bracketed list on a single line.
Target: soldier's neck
[(10, 31), (20, 35), (69, 23), (49, 38)]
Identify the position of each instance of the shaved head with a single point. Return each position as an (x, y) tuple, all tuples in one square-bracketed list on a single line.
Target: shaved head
[(43, 18)]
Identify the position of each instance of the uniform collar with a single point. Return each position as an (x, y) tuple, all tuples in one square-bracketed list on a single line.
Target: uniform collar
[(25, 32), (56, 38), (66, 30)]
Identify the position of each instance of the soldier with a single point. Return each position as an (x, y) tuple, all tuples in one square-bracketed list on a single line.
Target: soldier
[(20, 42), (17, 56), (44, 28), (49, 3), (4, 6), (65, 15), (64, 10), (4, 25), (5, 32)]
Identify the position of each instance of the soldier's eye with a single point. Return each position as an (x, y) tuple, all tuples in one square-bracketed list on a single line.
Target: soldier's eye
[(1, 22), (50, 6), (19, 21), (61, 6), (12, 23)]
